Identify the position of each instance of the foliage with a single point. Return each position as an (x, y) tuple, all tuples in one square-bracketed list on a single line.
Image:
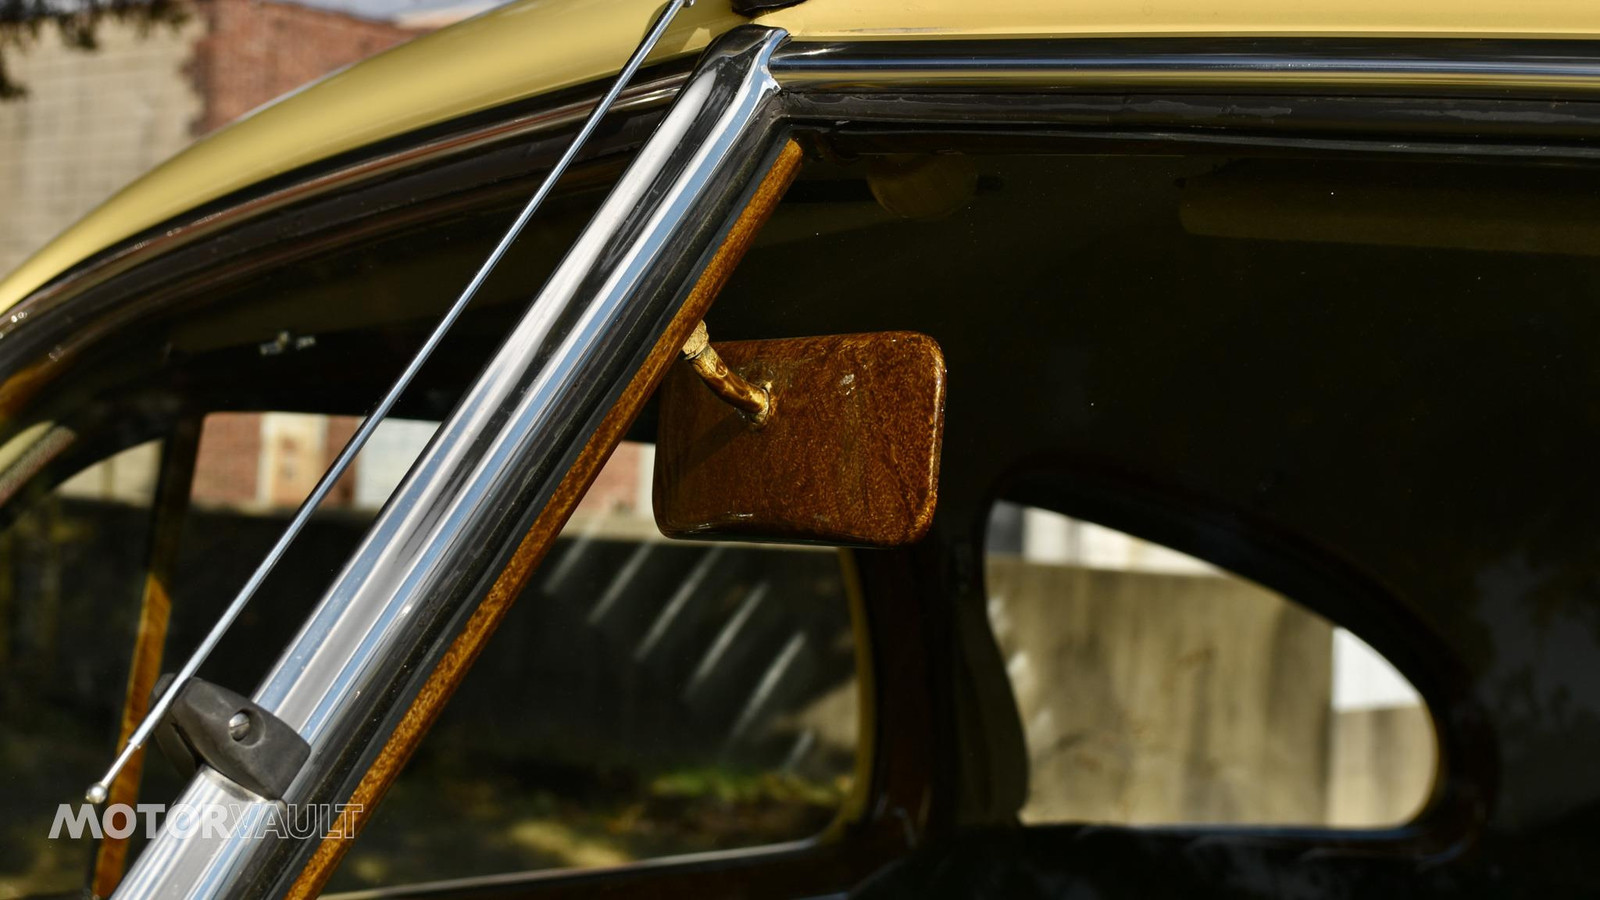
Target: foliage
[(24, 22)]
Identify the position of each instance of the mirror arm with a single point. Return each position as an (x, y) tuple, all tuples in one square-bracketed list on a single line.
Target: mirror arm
[(754, 400)]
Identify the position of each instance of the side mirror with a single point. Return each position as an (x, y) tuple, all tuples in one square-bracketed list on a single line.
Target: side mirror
[(845, 451)]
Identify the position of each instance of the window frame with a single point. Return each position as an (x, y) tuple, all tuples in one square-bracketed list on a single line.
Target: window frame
[(860, 92), (1336, 592)]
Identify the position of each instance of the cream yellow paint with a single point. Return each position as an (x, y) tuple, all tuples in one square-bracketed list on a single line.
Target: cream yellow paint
[(822, 19), (533, 46)]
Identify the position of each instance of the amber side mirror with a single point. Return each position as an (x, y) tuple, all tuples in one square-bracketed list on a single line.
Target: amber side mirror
[(847, 453)]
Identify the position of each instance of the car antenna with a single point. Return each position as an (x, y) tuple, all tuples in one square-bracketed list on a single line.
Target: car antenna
[(98, 791)]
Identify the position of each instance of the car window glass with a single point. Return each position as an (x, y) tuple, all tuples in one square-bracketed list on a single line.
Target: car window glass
[(274, 362), (71, 574), (642, 699), (252, 471), (1157, 689)]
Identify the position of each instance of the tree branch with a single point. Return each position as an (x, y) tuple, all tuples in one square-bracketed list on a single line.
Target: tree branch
[(78, 23)]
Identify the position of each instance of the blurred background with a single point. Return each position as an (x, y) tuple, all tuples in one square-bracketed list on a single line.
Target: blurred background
[(83, 122)]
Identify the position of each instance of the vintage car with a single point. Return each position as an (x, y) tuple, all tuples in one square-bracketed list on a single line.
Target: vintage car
[(1133, 450)]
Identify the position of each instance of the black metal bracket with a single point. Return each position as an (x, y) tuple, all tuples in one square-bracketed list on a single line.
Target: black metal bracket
[(232, 734)]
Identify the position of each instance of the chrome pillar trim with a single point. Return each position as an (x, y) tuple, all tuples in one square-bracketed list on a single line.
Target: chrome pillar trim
[(1087, 64), (492, 465)]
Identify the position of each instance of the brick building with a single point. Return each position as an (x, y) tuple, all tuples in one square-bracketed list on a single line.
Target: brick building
[(92, 122), (251, 51)]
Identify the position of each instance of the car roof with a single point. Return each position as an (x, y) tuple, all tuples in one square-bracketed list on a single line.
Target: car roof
[(531, 47)]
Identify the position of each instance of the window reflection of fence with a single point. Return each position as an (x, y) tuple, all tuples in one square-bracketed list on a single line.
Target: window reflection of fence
[(644, 698)]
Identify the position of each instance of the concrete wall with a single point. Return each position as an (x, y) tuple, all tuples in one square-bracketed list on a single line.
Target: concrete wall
[(1382, 765), (90, 124), (1157, 698), (1154, 698)]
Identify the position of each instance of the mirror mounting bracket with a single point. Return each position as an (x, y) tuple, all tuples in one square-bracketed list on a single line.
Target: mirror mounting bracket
[(754, 400)]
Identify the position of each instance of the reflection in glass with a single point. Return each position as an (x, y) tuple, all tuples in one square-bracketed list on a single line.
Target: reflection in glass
[(71, 573), (644, 698), (1157, 689)]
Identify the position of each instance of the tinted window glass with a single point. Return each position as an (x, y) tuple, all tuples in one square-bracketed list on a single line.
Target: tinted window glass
[(1157, 689), (643, 698), (71, 573), (252, 471), (72, 590), (313, 335)]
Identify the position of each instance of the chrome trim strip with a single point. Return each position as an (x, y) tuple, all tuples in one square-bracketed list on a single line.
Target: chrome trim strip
[(490, 467), (1349, 122), (1198, 64)]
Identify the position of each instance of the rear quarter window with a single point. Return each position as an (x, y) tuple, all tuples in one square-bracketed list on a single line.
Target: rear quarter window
[(1157, 689)]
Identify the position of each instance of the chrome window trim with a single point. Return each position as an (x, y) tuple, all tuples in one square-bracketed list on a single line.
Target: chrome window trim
[(1277, 63)]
